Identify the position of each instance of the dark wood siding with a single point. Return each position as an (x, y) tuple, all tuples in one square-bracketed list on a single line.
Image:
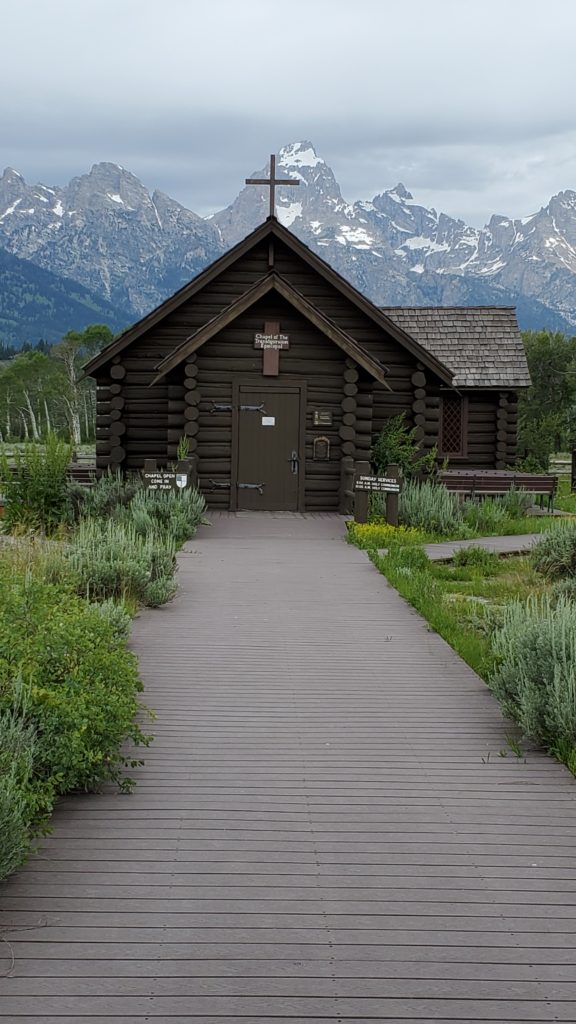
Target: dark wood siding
[(136, 420), (481, 429), (229, 357)]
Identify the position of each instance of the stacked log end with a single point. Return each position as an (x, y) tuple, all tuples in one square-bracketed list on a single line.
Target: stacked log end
[(117, 428), (347, 431), (177, 406), (424, 432)]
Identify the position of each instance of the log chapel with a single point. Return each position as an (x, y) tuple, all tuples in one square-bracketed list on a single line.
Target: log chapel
[(280, 374)]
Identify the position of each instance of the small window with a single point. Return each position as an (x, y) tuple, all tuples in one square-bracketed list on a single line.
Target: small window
[(453, 426)]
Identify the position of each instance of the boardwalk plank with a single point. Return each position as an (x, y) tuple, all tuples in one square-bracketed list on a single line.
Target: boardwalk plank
[(331, 1008)]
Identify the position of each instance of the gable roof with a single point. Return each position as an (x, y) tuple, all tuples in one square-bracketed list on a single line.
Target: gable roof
[(482, 345), (274, 282), (272, 228)]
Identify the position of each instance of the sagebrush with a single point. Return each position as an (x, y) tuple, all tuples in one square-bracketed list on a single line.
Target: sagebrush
[(555, 553), (535, 678), (430, 507)]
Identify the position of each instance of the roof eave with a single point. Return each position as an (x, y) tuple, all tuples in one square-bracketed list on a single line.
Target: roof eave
[(366, 305), (175, 300), (271, 226), (294, 297)]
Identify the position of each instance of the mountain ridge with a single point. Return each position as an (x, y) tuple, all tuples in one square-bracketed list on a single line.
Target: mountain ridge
[(135, 247)]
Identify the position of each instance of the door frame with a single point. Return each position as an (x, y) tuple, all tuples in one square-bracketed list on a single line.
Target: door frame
[(287, 386)]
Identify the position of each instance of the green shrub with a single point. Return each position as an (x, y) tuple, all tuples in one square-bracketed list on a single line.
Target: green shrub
[(79, 680), (406, 560), (160, 590), (68, 699), (111, 560), (15, 837), (396, 444), (476, 557), (555, 554), (112, 491), (116, 616), (535, 678), (486, 516), (176, 514), (564, 589), (382, 535), (516, 503), (35, 487), (17, 746), (430, 507)]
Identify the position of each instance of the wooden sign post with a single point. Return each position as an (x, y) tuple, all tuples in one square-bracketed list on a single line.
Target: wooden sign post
[(366, 484)]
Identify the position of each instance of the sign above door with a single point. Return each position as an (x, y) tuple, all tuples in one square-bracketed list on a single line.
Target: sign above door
[(272, 342)]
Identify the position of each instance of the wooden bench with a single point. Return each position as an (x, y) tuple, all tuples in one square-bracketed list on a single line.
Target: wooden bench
[(82, 473), (495, 482)]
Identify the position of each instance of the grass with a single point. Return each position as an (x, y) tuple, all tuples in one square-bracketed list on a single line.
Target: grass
[(526, 524), (565, 500), (461, 602)]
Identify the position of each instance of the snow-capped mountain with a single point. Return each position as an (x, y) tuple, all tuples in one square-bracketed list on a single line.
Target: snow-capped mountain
[(398, 251), (132, 247), (106, 231)]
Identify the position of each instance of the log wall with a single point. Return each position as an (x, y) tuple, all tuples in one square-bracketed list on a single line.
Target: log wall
[(311, 358), (482, 429), (136, 421)]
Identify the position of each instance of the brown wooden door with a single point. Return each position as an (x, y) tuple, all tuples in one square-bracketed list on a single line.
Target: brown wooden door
[(269, 455)]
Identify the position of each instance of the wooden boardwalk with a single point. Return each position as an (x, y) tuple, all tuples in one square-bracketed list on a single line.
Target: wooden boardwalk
[(513, 545), (324, 829)]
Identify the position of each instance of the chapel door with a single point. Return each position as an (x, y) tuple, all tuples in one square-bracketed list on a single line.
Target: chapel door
[(270, 463)]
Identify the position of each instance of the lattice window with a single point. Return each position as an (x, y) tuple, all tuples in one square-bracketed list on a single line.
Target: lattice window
[(453, 426)]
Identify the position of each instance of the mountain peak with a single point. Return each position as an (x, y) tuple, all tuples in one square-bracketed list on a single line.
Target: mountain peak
[(111, 174), (399, 192), (566, 199), (11, 175), (107, 167), (299, 154)]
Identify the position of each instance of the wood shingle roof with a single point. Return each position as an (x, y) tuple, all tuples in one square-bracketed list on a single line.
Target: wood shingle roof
[(482, 345)]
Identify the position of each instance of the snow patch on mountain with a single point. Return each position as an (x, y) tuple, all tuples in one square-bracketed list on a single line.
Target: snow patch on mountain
[(420, 242), (357, 237), (10, 209), (288, 214), (299, 154)]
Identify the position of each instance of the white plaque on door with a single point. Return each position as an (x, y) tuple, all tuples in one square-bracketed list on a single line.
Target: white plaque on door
[(268, 421)]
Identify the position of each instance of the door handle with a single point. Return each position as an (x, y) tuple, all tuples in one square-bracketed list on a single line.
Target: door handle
[(294, 462)]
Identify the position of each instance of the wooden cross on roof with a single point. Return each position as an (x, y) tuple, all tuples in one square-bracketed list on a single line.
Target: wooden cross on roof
[(271, 182)]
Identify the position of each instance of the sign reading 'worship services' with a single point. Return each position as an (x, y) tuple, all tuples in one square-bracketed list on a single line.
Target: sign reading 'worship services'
[(381, 484)]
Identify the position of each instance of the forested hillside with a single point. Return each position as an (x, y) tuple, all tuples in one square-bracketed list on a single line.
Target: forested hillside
[(37, 304)]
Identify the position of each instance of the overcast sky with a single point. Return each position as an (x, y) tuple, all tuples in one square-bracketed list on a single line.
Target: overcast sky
[(470, 104)]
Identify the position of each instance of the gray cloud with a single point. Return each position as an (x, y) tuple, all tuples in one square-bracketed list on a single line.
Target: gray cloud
[(471, 106)]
